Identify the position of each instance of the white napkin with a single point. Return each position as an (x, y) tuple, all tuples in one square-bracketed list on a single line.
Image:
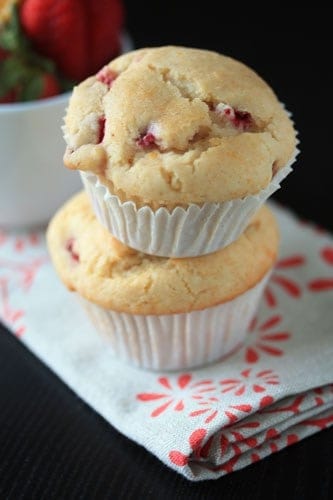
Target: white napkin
[(274, 391)]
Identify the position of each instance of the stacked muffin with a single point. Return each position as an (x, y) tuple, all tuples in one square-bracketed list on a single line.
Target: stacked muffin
[(178, 150)]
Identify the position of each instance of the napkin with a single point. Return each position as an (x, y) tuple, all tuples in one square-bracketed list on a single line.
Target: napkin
[(274, 391)]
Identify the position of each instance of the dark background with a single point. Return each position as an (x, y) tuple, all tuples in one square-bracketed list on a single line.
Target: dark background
[(52, 446)]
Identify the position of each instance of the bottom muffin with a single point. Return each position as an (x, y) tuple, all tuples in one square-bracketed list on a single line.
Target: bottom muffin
[(163, 313)]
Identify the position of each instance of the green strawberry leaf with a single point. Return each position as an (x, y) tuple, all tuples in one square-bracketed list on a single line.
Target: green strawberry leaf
[(41, 62), (3, 88), (23, 68), (33, 87), (11, 35), (8, 40), (12, 74)]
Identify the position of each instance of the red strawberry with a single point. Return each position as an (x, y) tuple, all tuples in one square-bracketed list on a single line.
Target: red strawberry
[(24, 74), (9, 97), (3, 54), (50, 86), (79, 35)]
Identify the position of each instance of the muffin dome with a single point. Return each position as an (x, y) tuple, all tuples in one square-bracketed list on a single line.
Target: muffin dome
[(173, 126)]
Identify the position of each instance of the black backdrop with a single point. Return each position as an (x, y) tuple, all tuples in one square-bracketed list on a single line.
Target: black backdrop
[(52, 446)]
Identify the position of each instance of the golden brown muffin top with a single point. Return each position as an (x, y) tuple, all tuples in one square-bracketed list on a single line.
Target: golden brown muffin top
[(173, 125)]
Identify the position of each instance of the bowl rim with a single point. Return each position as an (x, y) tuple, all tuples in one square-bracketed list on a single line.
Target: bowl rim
[(18, 107)]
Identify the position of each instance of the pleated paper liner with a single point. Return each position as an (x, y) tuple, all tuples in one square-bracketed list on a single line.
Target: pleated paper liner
[(178, 341), (183, 232)]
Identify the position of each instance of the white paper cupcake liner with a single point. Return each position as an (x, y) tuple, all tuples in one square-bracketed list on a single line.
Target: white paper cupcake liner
[(178, 341), (190, 232)]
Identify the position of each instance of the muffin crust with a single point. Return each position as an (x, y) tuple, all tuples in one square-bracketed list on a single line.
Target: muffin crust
[(173, 125)]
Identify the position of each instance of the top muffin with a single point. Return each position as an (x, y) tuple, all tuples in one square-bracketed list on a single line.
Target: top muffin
[(173, 126)]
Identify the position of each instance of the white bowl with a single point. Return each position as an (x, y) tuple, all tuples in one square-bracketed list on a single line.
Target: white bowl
[(33, 180)]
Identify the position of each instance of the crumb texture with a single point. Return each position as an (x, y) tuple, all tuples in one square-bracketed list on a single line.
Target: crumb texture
[(101, 269)]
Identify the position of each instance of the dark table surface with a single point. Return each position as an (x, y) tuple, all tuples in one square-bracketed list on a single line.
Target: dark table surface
[(52, 445)]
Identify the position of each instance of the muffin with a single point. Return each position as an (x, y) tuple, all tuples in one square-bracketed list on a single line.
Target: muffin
[(156, 312), (177, 147)]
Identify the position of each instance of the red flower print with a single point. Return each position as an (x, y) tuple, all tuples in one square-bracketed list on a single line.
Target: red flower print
[(3, 237), (249, 380), (16, 274), (21, 243), (321, 422), (198, 449), (207, 408), (271, 436), (255, 457), (319, 400), (211, 406), (225, 444), (285, 283), (293, 406), (265, 339), (228, 466), (266, 401), (233, 442), (238, 433), (176, 394), (327, 255), (320, 393), (236, 412), (26, 270), (292, 439), (323, 284)]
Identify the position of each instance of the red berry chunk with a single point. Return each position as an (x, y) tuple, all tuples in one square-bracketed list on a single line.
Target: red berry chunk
[(101, 129), (242, 119), (146, 140), (70, 248), (239, 119), (106, 76)]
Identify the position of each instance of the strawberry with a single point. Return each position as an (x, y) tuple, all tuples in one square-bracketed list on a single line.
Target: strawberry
[(34, 86), (80, 36), (9, 97), (3, 54), (50, 86), (24, 74)]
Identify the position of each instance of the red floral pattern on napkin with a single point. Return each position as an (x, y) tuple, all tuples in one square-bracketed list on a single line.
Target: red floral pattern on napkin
[(18, 268), (274, 391)]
